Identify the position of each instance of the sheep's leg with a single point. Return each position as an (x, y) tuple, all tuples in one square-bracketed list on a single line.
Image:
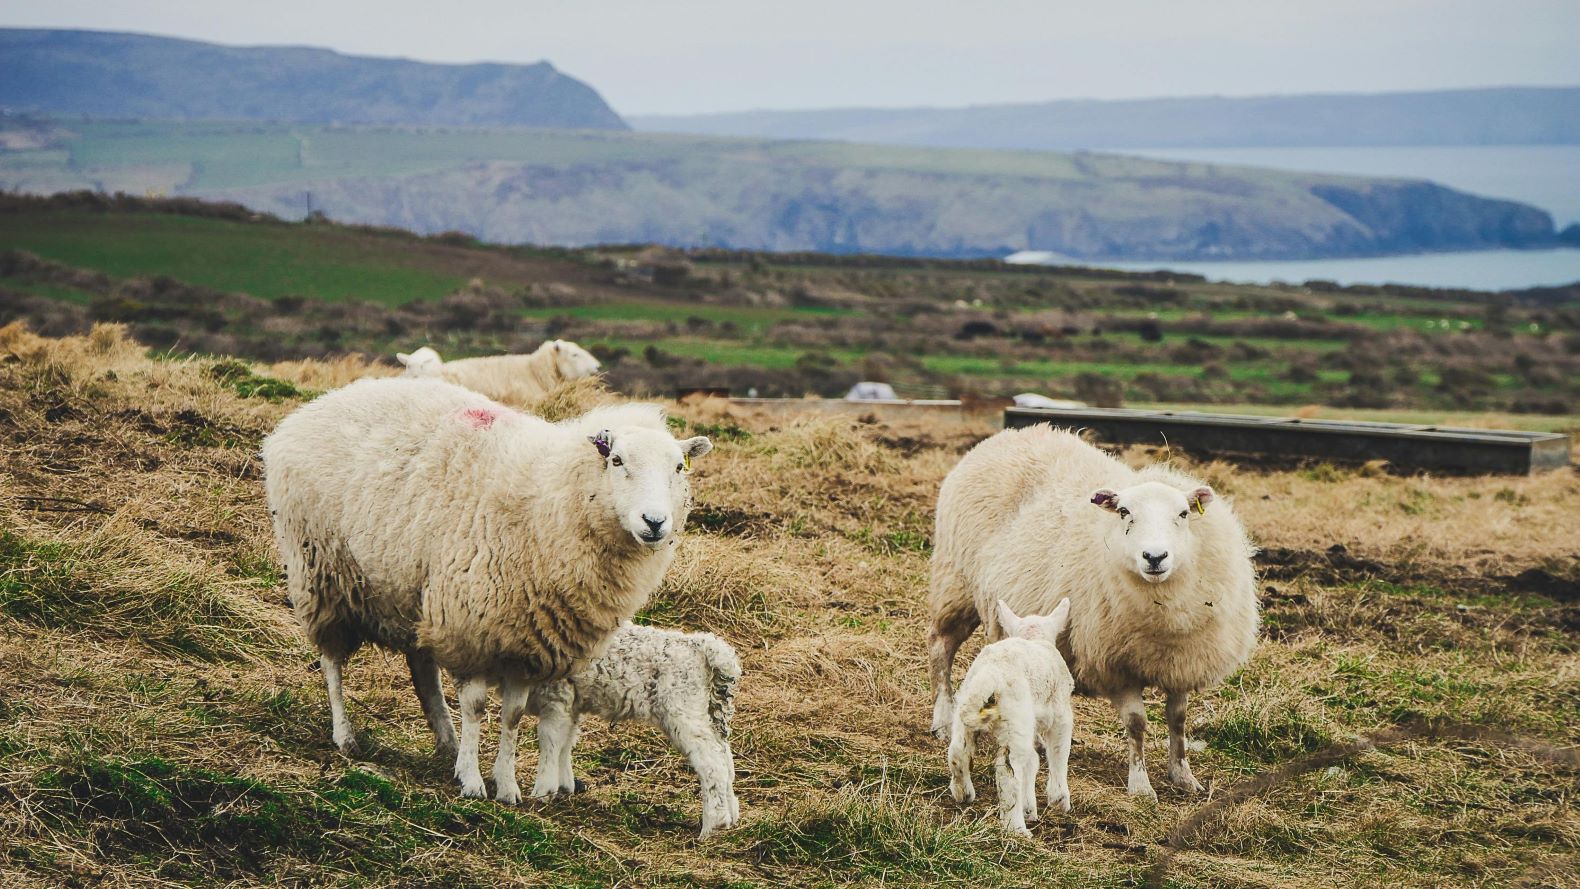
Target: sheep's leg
[(345, 737), (1056, 747), (962, 746), (949, 631), (1179, 765), (556, 735), (1010, 812), (512, 706), (729, 760), (474, 700), (567, 772), (710, 760), (1133, 715), (425, 679), (1024, 761)]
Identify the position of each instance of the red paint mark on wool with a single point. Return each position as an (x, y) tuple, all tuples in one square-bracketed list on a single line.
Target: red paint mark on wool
[(479, 417)]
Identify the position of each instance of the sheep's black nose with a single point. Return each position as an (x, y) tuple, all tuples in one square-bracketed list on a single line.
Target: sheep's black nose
[(1152, 560), (654, 524)]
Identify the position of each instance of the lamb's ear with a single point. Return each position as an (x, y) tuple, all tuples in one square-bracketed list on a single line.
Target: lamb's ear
[(557, 344), (1060, 616), (1008, 621), (696, 447), (403, 358), (1200, 497), (1107, 499), (602, 441)]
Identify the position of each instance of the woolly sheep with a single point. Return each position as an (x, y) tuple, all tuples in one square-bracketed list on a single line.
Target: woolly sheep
[(515, 379), (1018, 692), (1157, 569), (423, 517), (684, 683)]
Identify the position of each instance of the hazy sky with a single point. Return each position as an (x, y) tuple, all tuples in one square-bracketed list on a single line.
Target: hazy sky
[(725, 55)]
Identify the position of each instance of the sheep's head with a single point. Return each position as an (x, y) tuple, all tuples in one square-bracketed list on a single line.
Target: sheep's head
[(1032, 626), (647, 479), (424, 362), (571, 361), (1152, 526)]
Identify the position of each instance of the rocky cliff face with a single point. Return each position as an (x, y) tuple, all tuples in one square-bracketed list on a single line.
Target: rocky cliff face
[(100, 74)]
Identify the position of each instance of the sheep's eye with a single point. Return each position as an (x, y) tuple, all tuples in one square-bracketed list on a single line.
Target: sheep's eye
[(1184, 513), (1124, 513), (617, 461)]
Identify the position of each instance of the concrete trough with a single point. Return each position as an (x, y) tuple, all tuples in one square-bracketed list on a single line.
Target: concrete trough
[(1406, 446)]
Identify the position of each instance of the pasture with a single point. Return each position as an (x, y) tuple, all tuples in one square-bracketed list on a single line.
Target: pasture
[(163, 723)]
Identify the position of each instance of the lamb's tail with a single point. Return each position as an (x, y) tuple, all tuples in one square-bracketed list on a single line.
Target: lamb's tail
[(724, 670), (978, 707)]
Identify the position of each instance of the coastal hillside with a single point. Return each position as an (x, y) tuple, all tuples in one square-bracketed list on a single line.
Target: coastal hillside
[(567, 188), (1504, 116), (115, 75)]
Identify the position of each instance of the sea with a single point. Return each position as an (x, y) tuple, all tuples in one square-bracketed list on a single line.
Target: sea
[(1545, 176)]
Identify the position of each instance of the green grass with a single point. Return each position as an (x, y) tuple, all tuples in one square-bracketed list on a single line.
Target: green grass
[(263, 260), (750, 319)]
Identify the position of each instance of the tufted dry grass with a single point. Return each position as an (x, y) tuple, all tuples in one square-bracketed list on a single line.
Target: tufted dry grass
[(162, 724)]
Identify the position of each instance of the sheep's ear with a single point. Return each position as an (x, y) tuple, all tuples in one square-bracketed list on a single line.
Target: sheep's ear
[(1060, 616), (1200, 497), (1008, 621), (557, 344), (602, 441), (403, 358), (1107, 499), (696, 447)]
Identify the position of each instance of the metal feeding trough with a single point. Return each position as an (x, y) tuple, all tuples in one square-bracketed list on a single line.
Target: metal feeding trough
[(1353, 441)]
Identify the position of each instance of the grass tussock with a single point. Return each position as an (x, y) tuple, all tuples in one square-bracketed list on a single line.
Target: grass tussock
[(164, 724)]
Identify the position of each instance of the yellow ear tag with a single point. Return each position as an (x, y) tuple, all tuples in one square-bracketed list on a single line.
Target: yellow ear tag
[(685, 460), (1196, 505)]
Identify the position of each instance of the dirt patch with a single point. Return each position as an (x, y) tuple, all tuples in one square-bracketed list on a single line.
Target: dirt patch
[(1337, 566)]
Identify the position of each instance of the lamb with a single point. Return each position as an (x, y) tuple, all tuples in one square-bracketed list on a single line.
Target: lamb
[(428, 519), (684, 683), (1018, 691), (1157, 569), (513, 379)]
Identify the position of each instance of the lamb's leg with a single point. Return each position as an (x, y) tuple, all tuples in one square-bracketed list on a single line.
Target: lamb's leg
[(1179, 765), (1056, 747), (735, 803), (962, 746), (567, 771), (512, 706), (951, 627), (1133, 715), (345, 737), (1024, 761), (1010, 812), (425, 679), (710, 760), (556, 735), (474, 700)]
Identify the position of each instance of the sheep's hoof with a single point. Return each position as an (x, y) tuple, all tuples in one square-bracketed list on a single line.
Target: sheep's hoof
[(508, 796), (1183, 779), (1060, 802), (474, 791), (347, 746), (1140, 786)]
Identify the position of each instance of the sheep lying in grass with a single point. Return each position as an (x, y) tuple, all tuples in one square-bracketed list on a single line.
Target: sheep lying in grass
[(514, 379), (423, 517), (684, 683), (1018, 692), (1157, 570)]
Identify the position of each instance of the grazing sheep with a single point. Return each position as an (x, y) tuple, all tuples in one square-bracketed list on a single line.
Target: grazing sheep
[(423, 517), (684, 683), (1157, 569), (514, 379), (1018, 691)]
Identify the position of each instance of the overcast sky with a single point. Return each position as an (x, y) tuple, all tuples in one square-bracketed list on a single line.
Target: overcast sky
[(725, 55)]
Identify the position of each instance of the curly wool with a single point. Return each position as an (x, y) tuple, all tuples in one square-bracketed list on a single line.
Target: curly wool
[(684, 683)]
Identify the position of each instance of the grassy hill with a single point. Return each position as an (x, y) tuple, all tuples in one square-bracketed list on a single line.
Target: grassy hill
[(163, 724), (221, 280), (592, 187), (116, 75)]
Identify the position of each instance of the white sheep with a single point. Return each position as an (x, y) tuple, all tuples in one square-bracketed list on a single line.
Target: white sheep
[(684, 683), (1157, 569), (1018, 693), (423, 517), (514, 379)]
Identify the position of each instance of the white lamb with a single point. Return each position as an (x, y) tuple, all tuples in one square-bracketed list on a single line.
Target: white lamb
[(423, 517), (513, 379), (1157, 570), (1017, 692), (684, 683)]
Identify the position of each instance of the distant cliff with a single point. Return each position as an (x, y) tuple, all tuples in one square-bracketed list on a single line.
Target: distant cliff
[(1499, 116), (112, 75)]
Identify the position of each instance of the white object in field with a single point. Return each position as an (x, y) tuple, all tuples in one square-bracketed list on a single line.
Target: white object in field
[(868, 390), (1032, 399)]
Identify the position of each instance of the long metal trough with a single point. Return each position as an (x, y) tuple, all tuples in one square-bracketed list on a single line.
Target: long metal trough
[(1352, 441)]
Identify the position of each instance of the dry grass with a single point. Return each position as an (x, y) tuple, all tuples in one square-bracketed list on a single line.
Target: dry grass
[(162, 725)]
